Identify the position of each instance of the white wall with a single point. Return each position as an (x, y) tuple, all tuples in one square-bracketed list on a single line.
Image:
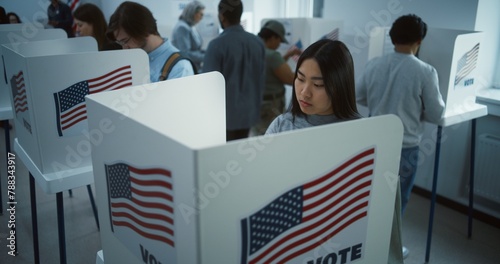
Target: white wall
[(267, 9)]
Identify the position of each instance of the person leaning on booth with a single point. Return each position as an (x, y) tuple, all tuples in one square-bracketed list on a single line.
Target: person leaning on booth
[(399, 83), (133, 26), (278, 73)]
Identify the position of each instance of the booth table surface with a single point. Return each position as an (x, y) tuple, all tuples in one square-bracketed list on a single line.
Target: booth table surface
[(5, 113), (58, 181), (491, 98), (472, 111)]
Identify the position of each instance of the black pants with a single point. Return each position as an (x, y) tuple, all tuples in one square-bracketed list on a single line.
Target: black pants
[(237, 134)]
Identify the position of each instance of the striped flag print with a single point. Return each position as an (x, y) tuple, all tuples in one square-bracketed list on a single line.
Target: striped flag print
[(73, 5), (333, 35), (297, 45), (301, 219), (70, 102), (467, 63), (19, 92), (141, 201)]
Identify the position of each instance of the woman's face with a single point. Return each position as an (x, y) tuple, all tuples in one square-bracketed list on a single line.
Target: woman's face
[(310, 89), (198, 16), (13, 19), (84, 28)]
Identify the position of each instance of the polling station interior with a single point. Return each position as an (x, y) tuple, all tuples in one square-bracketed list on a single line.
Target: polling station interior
[(57, 204)]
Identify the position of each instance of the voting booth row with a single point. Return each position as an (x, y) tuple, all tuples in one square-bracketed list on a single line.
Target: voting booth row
[(169, 189), (14, 34)]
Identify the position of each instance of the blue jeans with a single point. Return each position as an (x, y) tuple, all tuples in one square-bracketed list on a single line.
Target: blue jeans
[(407, 171)]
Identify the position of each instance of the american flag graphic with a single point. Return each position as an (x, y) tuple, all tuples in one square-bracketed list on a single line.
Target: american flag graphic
[(467, 63), (333, 35), (141, 200), (19, 92), (73, 5), (297, 45), (303, 218), (244, 23), (70, 102)]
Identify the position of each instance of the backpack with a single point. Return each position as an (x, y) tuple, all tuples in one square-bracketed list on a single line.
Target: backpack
[(171, 61)]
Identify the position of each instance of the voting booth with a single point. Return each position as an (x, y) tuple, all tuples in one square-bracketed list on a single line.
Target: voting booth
[(171, 190), (15, 36), (456, 55), (48, 81)]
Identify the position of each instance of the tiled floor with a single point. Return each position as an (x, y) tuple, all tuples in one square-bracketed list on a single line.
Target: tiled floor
[(450, 244)]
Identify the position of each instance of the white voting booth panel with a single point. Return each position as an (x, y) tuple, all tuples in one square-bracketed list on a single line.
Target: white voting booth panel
[(49, 80), (456, 56), (16, 35), (380, 42), (170, 190), (151, 136), (10, 27)]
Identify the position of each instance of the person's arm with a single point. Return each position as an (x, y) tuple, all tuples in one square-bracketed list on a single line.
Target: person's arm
[(292, 52), (433, 104), (284, 73)]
